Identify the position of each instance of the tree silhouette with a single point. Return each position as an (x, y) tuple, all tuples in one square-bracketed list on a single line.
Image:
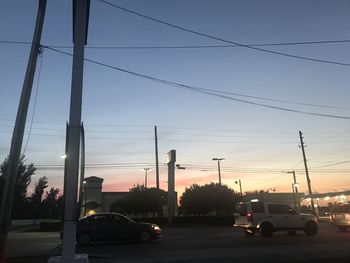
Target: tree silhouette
[(23, 179), (36, 197), (201, 200), (51, 203), (140, 200)]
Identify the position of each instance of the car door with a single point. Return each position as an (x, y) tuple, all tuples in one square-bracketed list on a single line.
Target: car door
[(121, 229), (100, 226), (279, 215), (295, 220)]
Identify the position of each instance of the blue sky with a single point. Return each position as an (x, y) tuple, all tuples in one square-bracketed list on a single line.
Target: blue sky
[(120, 110)]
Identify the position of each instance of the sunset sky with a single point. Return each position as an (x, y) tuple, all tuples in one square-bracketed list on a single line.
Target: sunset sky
[(120, 110)]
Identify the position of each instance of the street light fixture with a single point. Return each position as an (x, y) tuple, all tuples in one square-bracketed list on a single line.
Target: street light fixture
[(146, 171), (219, 159)]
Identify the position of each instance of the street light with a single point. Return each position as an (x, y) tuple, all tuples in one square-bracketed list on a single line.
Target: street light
[(219, 159), (295, 186), (240, 186), (85, 196), (146, 171)]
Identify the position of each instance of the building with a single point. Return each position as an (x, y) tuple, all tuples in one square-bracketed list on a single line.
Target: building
[(96, 201)]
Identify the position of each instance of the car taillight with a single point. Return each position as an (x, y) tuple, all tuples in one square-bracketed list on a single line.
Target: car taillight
[(250, 217)]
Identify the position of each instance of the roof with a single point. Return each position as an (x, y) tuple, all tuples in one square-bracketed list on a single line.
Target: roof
[(93, 179)]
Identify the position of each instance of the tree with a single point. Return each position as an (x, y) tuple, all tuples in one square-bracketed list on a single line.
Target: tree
[(201, 200), (36, 197), (140, 200), (23, 179), (51, 203)]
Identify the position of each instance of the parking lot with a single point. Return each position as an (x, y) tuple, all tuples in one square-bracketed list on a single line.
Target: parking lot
[(196, 244)]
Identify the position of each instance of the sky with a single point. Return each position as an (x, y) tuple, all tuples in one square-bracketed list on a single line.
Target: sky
[(259, 144)]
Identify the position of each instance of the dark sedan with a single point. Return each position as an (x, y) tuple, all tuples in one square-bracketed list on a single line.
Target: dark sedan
[(114, 227)]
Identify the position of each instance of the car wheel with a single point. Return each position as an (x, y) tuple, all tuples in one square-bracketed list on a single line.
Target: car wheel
[(143, 237), (266, 229), (292, 233), (249, 232), (84, 239), (311, 228), (342, 228)]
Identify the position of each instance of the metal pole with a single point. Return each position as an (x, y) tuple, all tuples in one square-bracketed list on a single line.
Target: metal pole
[(219, 172), (307, 173), (80, 22), (18, 131), (82, 168), (85, 197), (146, 170), (295, 201), (295, 182), (240, 186), (157, 159), (218, 159), (171, 185)]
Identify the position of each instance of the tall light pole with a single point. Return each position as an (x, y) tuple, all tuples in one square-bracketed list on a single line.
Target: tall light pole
[(219, 159), (146, 171), (240, 186)]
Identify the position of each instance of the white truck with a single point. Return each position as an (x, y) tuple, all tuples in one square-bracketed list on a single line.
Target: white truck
[(267, 217)]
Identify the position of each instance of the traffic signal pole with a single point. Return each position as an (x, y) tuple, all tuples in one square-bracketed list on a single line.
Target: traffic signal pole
[(18, 131)]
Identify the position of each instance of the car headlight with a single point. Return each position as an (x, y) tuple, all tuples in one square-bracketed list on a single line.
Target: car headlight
[(155, 227)]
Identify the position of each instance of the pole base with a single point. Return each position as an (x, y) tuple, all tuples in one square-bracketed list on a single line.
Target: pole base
[(78, 258)]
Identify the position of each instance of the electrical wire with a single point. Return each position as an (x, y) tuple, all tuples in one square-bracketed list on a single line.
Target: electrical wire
[(189, 46), (209, 92), (221, 39), (35, 100), (333, 164)]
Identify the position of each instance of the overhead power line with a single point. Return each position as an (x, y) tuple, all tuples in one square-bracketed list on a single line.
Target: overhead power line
[(225, 92), (333, 164), (35, 101), (301, 43), (221, 39), (209, 92)]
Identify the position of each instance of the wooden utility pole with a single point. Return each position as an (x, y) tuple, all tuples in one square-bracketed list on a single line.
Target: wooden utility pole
[(18, 131), (307, 173)]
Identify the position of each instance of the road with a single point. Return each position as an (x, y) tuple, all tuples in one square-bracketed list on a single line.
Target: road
[(198, 244)]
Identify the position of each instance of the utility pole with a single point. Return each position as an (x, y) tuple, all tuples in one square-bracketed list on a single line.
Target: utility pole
[(146, 170), (157, 159), (80, 29), (171, 185), (18, 131), (307, 173), (219, 159), (240, 186)]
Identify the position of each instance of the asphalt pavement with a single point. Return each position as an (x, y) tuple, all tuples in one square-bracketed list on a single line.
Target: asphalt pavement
[(195, 244)]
